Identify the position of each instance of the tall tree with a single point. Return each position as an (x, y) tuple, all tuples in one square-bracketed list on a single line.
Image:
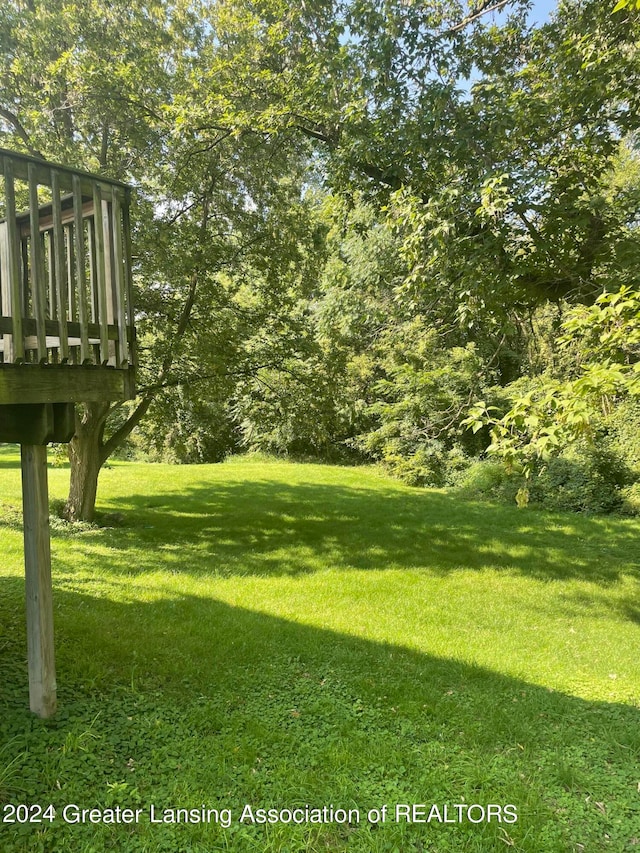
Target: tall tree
[(87, 85), (485, 143), (115, 89)]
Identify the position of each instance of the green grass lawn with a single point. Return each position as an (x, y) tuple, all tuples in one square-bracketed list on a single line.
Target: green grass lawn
[(277, 635)]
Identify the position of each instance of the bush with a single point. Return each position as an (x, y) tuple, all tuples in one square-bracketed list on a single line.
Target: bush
[(417, 406), (182, 427), (424, 465), (486, 479), (583, 479), (631, 499), (623, 429)]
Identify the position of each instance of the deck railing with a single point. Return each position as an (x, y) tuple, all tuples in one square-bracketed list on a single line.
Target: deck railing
[(65, 266)]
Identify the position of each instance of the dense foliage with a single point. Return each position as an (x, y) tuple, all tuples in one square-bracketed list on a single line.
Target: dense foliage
[(365, 230)]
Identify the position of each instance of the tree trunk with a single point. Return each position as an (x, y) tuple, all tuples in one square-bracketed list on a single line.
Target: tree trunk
[(88, 451), (86, 455)]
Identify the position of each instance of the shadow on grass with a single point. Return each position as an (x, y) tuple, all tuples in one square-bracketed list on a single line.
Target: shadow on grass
[(273, 528), (9, 461), (216, 700)]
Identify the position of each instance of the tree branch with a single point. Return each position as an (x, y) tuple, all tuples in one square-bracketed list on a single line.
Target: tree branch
[(126, 429), (487, 6), (19, 128), (141, 409), (221, 374), (389, 177), (383, 176), (321, 135)]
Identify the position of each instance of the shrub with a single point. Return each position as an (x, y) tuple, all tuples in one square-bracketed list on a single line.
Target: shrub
[(631, 499), (183, 427), (487, 479), (423, 465), (582, 479), (623, 429)]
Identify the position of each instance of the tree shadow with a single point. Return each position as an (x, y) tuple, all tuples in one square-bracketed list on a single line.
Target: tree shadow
[(271, 528), (196, 695), (8, 461)]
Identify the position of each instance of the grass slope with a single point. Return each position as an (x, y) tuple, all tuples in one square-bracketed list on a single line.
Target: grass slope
[(278, 635)]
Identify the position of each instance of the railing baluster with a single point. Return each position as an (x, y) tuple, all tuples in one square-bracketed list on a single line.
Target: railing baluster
[(24, 281), (5, 300), (103, 318), (94, 311), (74, 350), (59, 267), (81, 279), (16, 351), (53, 346), (52, 302), (38, 284), (118, 262), (126, 224), (72, 302)]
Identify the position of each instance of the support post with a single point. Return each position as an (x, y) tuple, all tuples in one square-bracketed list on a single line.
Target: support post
[(37, 560)]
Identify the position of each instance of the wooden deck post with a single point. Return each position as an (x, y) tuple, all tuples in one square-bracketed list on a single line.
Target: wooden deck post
[(37, 560)]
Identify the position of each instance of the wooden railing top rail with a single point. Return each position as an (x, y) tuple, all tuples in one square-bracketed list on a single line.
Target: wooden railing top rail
[(41, 169)]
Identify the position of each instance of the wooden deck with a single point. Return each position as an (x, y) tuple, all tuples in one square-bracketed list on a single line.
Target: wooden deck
[(66, 335), (66, 321)]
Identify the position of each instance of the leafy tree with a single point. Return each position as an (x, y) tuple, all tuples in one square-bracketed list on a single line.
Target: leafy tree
[(115, 89), (486, 147), (87, 85), (316, 402), (483, 150), (251, 324), (604, 343)]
